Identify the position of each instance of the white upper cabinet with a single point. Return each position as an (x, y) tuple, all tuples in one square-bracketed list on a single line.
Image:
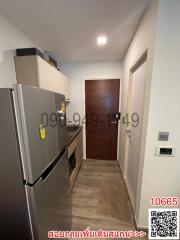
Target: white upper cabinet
[(35, 71)]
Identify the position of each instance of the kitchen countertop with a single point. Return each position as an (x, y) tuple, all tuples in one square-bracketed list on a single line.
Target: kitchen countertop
[(72, 132)]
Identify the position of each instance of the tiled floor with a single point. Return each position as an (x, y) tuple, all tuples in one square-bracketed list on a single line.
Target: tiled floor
[(100, 199)]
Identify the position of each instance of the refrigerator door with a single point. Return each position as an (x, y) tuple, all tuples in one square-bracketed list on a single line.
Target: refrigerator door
[(38, 133), (49, 200), (61, 126), (14, 218)]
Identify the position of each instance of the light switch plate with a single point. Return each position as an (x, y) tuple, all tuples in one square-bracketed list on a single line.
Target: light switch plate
[(163, 136)]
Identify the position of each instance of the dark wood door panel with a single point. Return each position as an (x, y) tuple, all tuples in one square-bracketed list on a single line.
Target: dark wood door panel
[(103, 140), (102, 101), (99, 103)]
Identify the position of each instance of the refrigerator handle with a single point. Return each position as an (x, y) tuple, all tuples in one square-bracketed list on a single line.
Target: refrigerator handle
[(46, 173)]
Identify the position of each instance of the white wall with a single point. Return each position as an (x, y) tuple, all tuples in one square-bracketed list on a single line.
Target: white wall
[(161, 175), (143, 40), (77, 72), (10, 39), (159, 33)]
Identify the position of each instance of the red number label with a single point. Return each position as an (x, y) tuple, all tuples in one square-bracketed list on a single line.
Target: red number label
[(163, 201)]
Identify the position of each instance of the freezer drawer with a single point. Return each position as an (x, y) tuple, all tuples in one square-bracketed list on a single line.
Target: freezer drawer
[(50, 202), (35, 110)]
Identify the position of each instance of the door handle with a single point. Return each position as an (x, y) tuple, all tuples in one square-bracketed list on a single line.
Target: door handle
[(113, 122)]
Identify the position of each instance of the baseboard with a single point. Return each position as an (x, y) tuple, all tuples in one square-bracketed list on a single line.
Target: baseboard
[(144, 229), (131, 197), (132, 200)]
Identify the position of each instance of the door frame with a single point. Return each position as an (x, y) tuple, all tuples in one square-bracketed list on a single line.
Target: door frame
[(138, 63), (84, 110)]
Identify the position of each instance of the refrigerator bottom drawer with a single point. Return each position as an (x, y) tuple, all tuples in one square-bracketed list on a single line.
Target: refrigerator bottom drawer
[(50, 203)]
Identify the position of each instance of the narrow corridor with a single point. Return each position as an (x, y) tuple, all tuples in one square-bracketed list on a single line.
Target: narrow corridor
[(100, 199)]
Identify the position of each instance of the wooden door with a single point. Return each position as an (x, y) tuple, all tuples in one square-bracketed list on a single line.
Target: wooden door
[(101, 102)]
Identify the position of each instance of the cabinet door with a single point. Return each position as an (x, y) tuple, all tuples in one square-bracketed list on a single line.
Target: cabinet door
[(51, 79), (26, 70), (64, 85)]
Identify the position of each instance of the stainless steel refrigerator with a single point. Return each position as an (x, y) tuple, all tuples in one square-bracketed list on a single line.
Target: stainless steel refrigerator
[(34, 178)]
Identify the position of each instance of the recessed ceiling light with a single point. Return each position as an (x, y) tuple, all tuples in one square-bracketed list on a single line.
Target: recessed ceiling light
[(101, 40)]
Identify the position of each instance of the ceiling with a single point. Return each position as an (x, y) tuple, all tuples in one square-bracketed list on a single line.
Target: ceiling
[(69, 28)]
